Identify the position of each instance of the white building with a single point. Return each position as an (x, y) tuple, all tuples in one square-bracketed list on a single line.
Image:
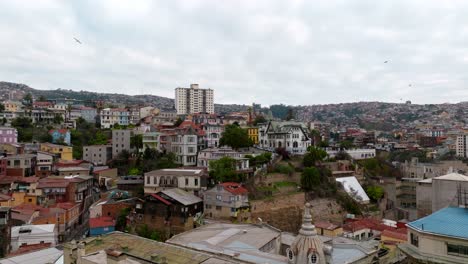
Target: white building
[(121, 141), (111, 116), (190, 180), (356, 154), (291, 135), (354, 189), (194, 100), (33, 234), (212, 154), (462, 146)]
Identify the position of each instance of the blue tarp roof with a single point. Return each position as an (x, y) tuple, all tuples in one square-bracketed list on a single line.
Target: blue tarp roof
[(450, 221)]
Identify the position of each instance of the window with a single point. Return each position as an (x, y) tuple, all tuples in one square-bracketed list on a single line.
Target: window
[(290, 254), (313, 258), (218, 208), (196, 182), (218, 197), (457, 250), (155, 180), (232, 198), (186, 181), (147, 180), (414, 240)]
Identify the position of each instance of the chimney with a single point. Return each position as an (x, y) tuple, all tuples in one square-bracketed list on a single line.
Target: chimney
[(194, 86), (81, 252), (115, 256)]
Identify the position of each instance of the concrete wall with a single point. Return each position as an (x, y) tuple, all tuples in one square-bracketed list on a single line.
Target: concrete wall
[(444, 193)]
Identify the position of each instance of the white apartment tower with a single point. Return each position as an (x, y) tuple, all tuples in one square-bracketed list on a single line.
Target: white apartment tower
[(193, 100), (462, 146)]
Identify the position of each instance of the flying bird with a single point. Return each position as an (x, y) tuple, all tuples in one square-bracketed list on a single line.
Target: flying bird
[(409, 85), (77, 40), (385, 62)]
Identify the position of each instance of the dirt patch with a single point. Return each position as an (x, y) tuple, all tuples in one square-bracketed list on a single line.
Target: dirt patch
[(285, 212)]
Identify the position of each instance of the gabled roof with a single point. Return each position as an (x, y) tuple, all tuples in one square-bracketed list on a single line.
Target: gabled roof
[(450, 221), (234, 188), (452, 177), (181, 196), (396, 235), (166, 202)]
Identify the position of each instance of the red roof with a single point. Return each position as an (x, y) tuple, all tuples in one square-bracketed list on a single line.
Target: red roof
[(66, 205), (40, 103), (53, 183), (395, 234), (4, 197), (370, 223), (161, 199), (29, 248), (234, 188), (326, 225), (102, 221)]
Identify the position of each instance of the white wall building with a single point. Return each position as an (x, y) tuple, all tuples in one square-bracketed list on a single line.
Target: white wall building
[(194, 100), (190, 180), (111, 116), (33, 234), (291, 135), (462, 146), (356, 154)]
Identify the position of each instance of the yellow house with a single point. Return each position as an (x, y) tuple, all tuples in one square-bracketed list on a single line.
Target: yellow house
[(19, 198), (328, 229), (65, 152), (12, 106), (5, 200), (253, 134)]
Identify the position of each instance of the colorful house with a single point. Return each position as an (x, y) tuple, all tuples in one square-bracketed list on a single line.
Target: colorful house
[(60, 136), (253, 134), (101, 225), (66, 153)]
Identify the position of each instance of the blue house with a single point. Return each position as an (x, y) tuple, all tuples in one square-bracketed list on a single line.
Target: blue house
[(60, 136), (101, 225)]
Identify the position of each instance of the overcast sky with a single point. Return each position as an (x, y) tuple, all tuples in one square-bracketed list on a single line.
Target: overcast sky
[(291, 52)]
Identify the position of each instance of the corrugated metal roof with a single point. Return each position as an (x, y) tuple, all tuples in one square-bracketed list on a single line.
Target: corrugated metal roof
[(450, 221), (182, 196), (351, 185)]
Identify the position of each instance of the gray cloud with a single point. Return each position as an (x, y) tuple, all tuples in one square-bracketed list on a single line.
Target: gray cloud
[(292, 52)]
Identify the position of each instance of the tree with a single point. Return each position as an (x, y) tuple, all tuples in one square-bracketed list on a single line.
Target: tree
[(346, 144), (42, 98), (342, 155), (27, 100), (99, 139), (259, 119), (313, 156), (58, 119), (178, 122), (375, 192), (2, 108), (235, 137), (4, 121), (310, 178), (121, 223), (134, 171), (290, 115), (224, 170), (25, 128), (283, 153), (136, 141)]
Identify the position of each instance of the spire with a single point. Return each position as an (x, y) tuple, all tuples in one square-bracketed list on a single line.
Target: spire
[(307, 228)]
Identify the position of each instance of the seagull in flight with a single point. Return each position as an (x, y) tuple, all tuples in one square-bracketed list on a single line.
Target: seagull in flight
[(385, 62), (77, 40)]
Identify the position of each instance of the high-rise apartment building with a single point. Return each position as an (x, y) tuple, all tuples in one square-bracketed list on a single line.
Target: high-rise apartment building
[(194, 100), (462, 146)]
